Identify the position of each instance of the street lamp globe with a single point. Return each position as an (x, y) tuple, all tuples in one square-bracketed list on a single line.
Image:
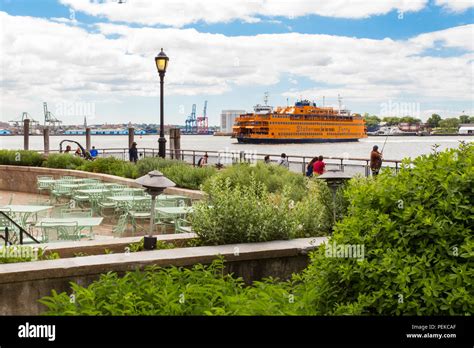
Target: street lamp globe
[(161, 61)]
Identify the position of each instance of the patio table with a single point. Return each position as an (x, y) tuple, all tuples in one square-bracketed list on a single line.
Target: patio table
[(89, 191), (81, 221)]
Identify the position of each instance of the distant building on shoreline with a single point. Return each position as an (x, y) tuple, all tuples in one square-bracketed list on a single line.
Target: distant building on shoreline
[(228, 118)]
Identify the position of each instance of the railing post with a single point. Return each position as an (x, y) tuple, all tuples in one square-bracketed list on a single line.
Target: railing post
[(194, 158), (6, 236), (342, 165), (367, 169), (303, 168)]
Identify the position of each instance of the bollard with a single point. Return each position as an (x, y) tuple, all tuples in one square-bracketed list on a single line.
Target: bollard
[(88, 139), (26, 133), (175, 142), (46, 140), (131, 136)]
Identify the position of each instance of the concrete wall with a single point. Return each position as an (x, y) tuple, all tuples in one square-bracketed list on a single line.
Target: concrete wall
[(22, 284), (23, 179)]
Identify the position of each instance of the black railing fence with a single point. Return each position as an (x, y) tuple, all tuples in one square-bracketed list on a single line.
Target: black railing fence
[(226, 157)]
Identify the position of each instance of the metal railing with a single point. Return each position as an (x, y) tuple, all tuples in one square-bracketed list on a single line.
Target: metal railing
[(21, 229), (297, 163)]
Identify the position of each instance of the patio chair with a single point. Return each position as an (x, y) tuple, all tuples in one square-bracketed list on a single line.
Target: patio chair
[(122, 224), (140, 211), (182, 226), (43, 186), (106, 204), (59, 191), (63, 231), (78, 212)]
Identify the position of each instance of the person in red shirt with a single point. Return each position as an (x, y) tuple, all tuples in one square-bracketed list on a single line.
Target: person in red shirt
[(319, 166)]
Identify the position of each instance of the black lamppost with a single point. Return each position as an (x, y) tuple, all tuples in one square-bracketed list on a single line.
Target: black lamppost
[(155, 183), (161, 61)]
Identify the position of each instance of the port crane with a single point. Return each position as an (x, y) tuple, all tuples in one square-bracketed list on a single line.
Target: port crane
[(24, 116), (202, 121), (49, 119), (191, 125)]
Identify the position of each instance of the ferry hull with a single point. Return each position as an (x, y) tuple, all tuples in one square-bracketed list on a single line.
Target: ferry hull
[(291, 141)]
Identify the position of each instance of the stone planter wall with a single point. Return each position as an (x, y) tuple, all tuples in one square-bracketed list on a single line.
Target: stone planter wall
[(22, 284)]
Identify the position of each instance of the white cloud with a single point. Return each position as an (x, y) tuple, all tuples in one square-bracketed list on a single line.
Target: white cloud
[(45, 60), (455, 5), (178, 13)]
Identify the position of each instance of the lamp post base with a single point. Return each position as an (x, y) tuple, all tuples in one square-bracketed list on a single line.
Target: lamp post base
[(162, 147), (149, 242)]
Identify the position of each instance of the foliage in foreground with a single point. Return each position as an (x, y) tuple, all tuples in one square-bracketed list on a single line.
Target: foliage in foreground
[(184, 175), (416, 230), (20, 158), (245, 213), (171, 291), (63, 161), (275, 178), (112, 166)]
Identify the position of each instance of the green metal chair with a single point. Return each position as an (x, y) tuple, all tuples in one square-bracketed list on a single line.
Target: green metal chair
[(43, 186), (182, 226), (107, 204), (63, 231), (121, 225), (140, 211), (78, 212)]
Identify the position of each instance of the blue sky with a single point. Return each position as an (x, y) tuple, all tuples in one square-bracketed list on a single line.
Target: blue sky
[(378, 55)]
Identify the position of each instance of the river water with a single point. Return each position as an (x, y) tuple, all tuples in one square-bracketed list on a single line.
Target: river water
[(396, 148)]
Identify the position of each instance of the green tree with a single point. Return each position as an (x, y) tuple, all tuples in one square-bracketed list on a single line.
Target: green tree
[(410, 120), (391, 120), (433, 121), (371, 121), (465, 119), (449, 123)]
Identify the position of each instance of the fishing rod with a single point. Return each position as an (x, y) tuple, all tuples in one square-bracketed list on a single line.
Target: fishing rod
[(383, 147)]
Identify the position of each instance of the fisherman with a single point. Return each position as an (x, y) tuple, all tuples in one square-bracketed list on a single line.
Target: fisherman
[(267, 160), (375, 160)]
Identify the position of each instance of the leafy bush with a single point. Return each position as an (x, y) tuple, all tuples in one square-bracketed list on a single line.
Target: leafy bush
[(24, 253), (172, 291), (275, 178), (112, 166), (182, 174), (63, 161), (243, 213), (149, 164), (21, 158), (416, 229)]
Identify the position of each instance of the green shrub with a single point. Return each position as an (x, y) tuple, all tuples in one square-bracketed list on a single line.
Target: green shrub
[(112, 166), (173, 291), (416, 229), (275, 178), (21, 158), (149, 164), (243, 213), (63, 161), (182, 174)]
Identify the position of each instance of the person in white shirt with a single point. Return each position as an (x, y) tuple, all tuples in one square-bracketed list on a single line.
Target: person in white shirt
[(283, 161)]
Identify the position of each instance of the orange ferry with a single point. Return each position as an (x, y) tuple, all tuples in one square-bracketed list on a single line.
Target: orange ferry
[(302, 123)]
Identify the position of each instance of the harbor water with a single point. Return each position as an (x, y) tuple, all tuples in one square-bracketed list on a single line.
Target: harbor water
[(396, 147)]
